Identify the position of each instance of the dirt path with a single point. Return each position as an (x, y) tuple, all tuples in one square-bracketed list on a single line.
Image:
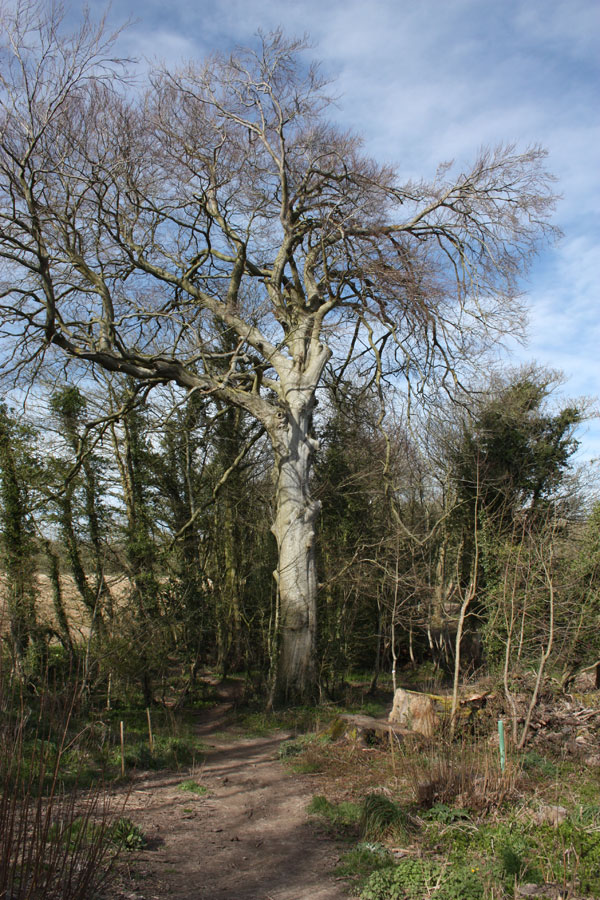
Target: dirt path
[(248, 838)]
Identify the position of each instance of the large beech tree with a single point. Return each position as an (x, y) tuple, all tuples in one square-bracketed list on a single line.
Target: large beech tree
[(139, 227)]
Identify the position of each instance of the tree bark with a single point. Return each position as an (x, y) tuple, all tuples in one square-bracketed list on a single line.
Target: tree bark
[(296, 574)]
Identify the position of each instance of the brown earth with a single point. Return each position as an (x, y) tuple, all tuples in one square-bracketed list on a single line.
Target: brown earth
[(247, 838)]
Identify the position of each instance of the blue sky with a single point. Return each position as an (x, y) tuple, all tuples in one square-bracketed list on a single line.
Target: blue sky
[(433, 80)]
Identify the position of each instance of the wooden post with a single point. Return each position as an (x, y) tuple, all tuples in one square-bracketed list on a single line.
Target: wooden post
[(502, 745), (150, 736), (122, 750)]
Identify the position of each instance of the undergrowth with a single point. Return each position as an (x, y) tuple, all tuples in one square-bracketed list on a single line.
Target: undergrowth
[(439, 819), (60, 834)]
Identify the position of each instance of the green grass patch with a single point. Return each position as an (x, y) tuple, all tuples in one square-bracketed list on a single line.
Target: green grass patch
[(192, 787), (567, 854), (342, 815), (536, 764)]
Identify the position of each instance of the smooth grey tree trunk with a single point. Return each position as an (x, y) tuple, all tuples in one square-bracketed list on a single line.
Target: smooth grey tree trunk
[(294, 528)]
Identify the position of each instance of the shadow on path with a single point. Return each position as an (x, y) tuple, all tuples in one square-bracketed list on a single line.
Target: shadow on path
[(247, 838)]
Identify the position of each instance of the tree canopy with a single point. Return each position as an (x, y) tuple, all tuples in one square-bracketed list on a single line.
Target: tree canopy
[(214, 230)]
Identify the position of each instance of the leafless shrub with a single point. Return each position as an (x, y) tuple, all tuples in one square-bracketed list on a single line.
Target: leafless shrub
[(54, 843), (464, 774)]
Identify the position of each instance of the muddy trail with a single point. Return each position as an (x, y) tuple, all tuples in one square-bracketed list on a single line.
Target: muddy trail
[(246, 838)]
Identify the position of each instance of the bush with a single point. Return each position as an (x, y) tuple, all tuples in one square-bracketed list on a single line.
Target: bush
[(48, 847)]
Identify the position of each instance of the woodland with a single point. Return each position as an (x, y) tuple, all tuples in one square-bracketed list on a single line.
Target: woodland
[(254, 423)]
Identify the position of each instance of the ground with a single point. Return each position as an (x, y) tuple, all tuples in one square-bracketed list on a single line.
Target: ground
[(247, 838), (243, 832)]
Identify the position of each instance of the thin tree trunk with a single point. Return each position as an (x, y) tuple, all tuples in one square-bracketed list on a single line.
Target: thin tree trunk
[(464, 608), (90, 599), (57, 600), (544, 657), (91, 510)]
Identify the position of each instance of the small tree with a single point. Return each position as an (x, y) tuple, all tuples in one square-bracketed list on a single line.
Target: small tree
[(135, 230), (17, 542), (513, 452), (543, 618)]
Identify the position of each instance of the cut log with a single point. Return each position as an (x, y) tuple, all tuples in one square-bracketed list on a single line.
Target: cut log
[(415, 712), (364, 729)]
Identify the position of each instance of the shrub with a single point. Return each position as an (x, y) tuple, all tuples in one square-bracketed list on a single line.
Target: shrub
[(125, 835), (446, 815), (48, 847)]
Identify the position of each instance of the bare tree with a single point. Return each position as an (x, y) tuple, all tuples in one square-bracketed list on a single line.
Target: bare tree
[(136, 230)]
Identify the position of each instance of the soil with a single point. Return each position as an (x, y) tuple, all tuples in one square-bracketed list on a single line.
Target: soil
[(247, 838)]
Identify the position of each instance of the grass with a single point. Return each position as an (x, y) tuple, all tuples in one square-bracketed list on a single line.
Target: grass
[(89, 749), (190, 786), (381, 817), (337, 816), (299, 719)]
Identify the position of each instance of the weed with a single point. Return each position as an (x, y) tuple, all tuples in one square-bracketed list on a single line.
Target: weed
[(446, 815), (192, 787), (533, 762), (513, 865), (125, 835), (304, 753), (292, 748), (413, 879), (588, 814), (462, 882), (75, 833), (362, 860)]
